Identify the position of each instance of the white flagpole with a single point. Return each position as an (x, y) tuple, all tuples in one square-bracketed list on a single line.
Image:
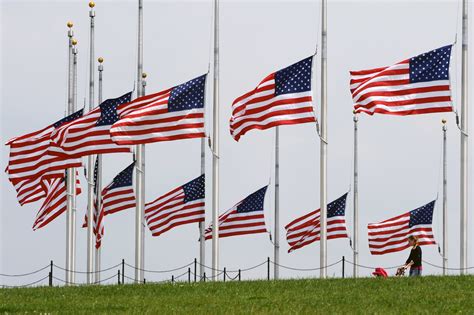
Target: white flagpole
[(72, 178), (90, 158), (98, 184), (140, 161), (276, 236), (144, 75), (202, 239), (355, 227), (69, 186), (445, 202), (215, 149), (464, 139), (323, 161)]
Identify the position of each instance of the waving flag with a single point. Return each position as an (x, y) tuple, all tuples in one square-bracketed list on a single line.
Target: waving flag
[(182, 205), (56, 200), (392, 235), (173, 114), (90, 134), (306, 229), (246, 217), (31, 159), (98, 228), (418, 85), (282, 98)]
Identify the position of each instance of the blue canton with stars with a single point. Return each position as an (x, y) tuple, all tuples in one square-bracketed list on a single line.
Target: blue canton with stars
[(195, 189), (69, 118), (422, 215), (108, 109), (431, 66), (295, 78), (253, 202), (188, 95), (337, 208), (124, 178)]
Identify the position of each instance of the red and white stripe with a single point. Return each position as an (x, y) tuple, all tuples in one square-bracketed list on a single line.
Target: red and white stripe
[(388, 90), (83, 137), (152, 122), (262, 109), (56, 200), (306, 229), (170, 210), (391, 235), (233, 223), (117, 199)]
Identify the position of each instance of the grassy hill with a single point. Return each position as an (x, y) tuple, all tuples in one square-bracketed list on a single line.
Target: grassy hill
[(438, 295)]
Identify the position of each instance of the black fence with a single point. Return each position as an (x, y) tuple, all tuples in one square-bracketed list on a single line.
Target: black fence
[(185, 274)]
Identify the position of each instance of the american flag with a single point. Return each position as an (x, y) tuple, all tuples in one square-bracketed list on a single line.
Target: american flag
[(31, 161), (282, 98), (246, 217), (392, 235), (173, 114), (98, 215), (56, 200), (306, 229), (182, 205), (90, 134), (418, 85)]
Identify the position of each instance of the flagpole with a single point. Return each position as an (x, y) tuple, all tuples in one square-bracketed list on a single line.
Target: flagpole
[(202, 239), (215, 149), (445, 202), (69, 201), (144, 75), (276, 236), (355, 227), (90, 158), (140, 160), (72, 178), (323, 160), (98, 184), (464, 139)]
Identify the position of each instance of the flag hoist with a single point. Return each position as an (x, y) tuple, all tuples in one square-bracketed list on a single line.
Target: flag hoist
[(140, 161), (90, 158), (98, 183), (215, 148), (464, 126), (324, 144)]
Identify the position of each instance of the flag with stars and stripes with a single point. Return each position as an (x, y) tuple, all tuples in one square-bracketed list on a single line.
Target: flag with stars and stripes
[(173, 114), (306, 229), (31, 161), (282, 98), (418, 85), (392, 235), (182, 205), (98, 216), (90, 134), (55, 202), (246, 217)]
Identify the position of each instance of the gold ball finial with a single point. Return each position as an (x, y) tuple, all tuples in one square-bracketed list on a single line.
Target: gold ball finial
[(74, 42), (100, 59), (91, 4), (144, 75), (444, 121), (69, 24)]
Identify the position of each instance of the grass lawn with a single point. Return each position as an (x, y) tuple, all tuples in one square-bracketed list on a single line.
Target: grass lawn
[(428, 295)]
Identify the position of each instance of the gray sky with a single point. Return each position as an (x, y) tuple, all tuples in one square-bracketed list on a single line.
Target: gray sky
[(400, 157)]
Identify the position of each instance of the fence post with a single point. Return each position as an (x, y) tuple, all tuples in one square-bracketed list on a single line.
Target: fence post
[(204, 276), (189, 275), (268, 268), (123, 270), (343, 267), (195, 269), (225, 273), (144, 280), (118, 277), (51, 274), (172, 278), (239, 274)]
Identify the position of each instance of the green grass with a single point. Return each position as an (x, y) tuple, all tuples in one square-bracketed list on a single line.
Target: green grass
[(429, 295)]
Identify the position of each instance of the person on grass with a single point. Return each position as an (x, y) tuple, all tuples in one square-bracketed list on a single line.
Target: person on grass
[(414, 260)]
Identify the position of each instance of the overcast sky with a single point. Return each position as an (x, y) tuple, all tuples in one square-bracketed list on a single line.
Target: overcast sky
[(400, 157)]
